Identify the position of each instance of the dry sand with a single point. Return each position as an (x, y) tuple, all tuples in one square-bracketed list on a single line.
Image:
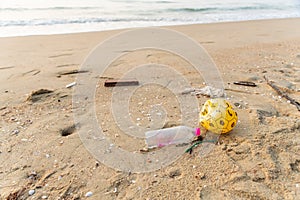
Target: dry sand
[(259, 159)]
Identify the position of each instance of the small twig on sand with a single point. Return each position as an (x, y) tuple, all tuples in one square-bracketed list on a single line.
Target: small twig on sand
[(245, 83), (283, 94)]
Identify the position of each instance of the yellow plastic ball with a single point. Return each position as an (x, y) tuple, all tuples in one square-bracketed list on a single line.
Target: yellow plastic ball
[(218, 116)]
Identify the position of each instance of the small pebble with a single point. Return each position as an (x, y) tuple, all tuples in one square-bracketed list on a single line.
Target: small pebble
[(44, 197), (31, 192), (89, 194), (15, 132), (115, 190), (234, 144)]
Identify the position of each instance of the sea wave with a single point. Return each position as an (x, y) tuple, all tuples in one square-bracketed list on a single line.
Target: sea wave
[(48, 8), (31, 17), (215, 9), (187, 9), (47, 22)]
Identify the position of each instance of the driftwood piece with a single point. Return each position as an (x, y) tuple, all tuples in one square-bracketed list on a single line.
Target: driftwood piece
[(70, 72), (283, 94), (245, 83), (113, 83)]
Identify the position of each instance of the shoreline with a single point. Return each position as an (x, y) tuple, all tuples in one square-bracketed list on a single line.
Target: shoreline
[(168, 26)]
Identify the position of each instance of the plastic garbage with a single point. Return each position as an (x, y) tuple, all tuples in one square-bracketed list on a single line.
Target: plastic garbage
[(168, 136), (218, 116)]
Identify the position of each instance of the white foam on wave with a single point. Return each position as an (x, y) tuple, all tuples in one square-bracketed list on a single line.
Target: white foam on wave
[(33, 17)]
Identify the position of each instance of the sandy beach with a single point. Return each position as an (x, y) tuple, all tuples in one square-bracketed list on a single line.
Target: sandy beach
[(259, 159)]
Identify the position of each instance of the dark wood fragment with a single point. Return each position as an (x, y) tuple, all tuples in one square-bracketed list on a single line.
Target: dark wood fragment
[(113, 83)]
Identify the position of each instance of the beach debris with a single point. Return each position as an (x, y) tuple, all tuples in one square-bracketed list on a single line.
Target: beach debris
[(71, 85), (89, 194), (67, 65), (31, 192), (175, 135), (245, 83), (211, 92), (68, 130), (218, 116), (199, 140), (145, 150), (283, 94), (38, 95), (70, 72), (205, 91), (106, 77), (113, 83)]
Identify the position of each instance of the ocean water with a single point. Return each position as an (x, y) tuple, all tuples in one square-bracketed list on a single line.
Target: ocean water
[(41, 17)]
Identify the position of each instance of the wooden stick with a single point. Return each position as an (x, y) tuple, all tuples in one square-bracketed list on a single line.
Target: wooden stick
[(283, 94), (245, 83), (113, 83)]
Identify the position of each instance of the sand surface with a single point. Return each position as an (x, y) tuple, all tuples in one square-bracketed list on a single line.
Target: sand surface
[(259, 159)]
